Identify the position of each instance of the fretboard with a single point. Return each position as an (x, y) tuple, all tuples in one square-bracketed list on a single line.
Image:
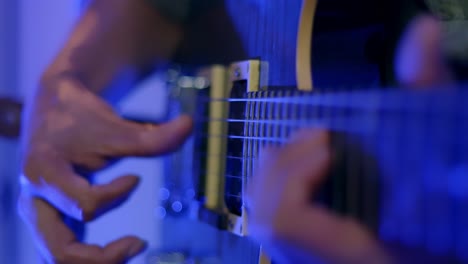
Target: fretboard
[(401, 159)]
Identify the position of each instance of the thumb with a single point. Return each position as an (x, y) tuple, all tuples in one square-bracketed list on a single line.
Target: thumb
[(419, 58), (132, 139)]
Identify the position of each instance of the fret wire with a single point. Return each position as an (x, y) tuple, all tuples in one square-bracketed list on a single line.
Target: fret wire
[(233, 195), (438, 204), (247, 150), (254, 143), (338, 185), (269, 117), (295, 115), (338, 189), (277, 112), (234, 176), (352, 165), (390, 212), (284, 115), (238, 158), (414, 126), (263, 116), (371, 186), (331, 185), (246, 143), (258, 131), (352, 176), (458, 183)]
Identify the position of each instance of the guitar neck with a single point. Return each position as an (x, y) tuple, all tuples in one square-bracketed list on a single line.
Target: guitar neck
[(372, 131), (399, 156), (396, 154)]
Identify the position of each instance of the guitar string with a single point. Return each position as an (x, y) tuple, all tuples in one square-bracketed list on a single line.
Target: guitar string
[(254, 124)]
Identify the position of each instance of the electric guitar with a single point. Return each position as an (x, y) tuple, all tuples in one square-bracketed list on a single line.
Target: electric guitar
[(400, 160)]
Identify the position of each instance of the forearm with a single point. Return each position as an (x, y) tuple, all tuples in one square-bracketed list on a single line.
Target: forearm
[(111, 38)]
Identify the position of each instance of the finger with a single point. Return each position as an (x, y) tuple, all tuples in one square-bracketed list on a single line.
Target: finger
[(308, 172), (74, 196), (266, 156), (303, 146), (112, 195), (331, 237), (299, 145), (274, 163), (307, 151), (114, 253), (85, 202), (58, 244), (133, 139), (419, 58)]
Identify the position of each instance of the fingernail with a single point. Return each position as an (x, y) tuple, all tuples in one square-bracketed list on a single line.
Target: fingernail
[(136, 248)]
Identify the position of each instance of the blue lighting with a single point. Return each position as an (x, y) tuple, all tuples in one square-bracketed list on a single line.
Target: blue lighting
[(164, 194), (177, 206), (160, 212)]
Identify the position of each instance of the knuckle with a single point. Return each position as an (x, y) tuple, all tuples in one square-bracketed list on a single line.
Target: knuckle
[(35, 162), (27, 170)]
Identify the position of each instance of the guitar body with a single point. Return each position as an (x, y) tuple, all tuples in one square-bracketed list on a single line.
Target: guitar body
[(268, 31), (352, 40)]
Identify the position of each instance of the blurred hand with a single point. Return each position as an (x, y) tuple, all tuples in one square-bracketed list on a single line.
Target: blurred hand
[(281, 215), (69, 129), (419, 60)]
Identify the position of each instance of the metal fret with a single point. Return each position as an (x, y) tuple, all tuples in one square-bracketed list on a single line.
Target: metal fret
[(338, 197), (263, 116), (236, 177), (353, 180), (249, 150), (236, 147), (390, 223), (237, 197), (269, 117), (285, 116), (383, 181), (438, 205), (277, 115), (458, 186)]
